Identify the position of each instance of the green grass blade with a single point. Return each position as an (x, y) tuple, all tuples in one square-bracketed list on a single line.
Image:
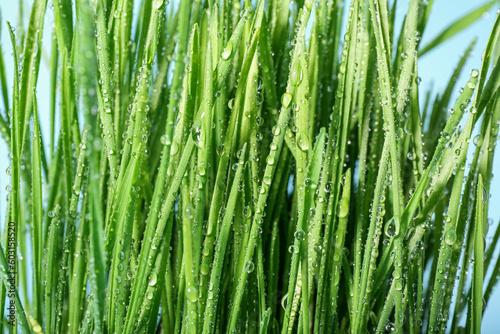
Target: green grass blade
[(217, 267), (456, 27), (246, 167), (97, 257), (340, 235), (478, 269), (484, 92), (37, 228)]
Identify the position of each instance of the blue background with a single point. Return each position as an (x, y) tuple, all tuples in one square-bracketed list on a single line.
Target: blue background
[(435, 69)]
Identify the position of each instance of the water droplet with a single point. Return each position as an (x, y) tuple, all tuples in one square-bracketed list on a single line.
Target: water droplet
[(153, 279), (196, 134), (276, 130), (204, 268), (192, 294), (450, 237), (174, 149), (247, 211), (228, 50), (250, 267), (286, 99), (308, 182), (296, 76), (477, 140), (303, 141), (390, 228), (300, 235), (342, 67), (220, 150)]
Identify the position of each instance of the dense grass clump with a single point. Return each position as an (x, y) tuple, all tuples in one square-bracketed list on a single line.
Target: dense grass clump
[(220, 167)]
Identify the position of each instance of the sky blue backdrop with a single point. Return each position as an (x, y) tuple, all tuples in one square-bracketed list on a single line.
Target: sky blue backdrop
[(434, 69)]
